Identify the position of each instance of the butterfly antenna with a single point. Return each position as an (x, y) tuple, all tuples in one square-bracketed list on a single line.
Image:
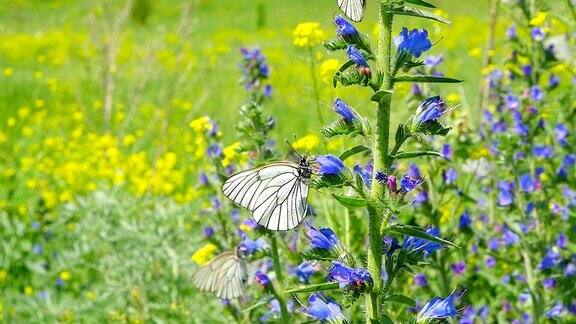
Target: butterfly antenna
[(292, 148)]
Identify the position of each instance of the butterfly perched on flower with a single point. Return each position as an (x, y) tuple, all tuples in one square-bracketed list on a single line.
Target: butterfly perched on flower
[(353, 9), (275, 193), (225, 276)]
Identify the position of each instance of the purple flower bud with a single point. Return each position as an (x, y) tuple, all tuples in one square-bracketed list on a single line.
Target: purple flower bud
[(420, 280), (261, 278), (356, 57), (345, 29), (344, 110)]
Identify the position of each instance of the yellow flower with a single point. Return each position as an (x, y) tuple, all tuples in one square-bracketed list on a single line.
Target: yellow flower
[(308, 34), (229, 153), (201, 124), (204, 254), (39, 103), (3, 275), (245, 228), (539, 19), (476, 52), (65, 275), (8, 71), (28, 290), (307, 143), (453, 97), (328, 68)]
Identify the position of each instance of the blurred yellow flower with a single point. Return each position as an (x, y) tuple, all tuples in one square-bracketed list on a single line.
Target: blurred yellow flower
[(65, 275), (328, 68), (245, 228), (201, 124), (539, 19), (476, 52), (8, 71), (204, 254), (307, 143), (308, 34), (28, 290), (453, 97), (3, 275), (230, 153)]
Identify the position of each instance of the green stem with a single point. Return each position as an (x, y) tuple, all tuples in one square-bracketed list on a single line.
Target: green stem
[(572, 10), (279, 289), (315, 85), (381, 162)]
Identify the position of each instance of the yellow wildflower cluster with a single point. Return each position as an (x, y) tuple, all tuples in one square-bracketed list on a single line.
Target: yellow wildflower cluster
[(307, 143), (308, 34), (204, 254), (328, 68)]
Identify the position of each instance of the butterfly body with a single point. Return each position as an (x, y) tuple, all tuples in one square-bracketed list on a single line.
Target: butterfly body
[(275, 193)]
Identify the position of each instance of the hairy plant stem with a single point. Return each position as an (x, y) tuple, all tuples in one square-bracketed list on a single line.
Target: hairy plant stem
[(279, 289), (381, 162)]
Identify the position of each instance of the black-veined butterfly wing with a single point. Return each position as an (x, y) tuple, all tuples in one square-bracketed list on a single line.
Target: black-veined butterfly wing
[(225, 276), (353, 9), (275, 193)]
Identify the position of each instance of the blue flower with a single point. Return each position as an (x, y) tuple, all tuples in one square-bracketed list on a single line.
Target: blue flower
[(512, 101), (356, 57), (553, 81), (323, 309), (506, 194), (344, 110), (420, 280), (214, 151), (420, 198), (417, 245), (438, 308), (555, 311), (268, 91), (414, 42), (408, 184), (458, 268), (434, 61), (261, 278), (465, 220), (413, 171), (543, 151), (203, 179), (490, 261), (37, 248), (537, 34), (208, 232), (561, 133), (249, 246), (536, 93), (364, 173), (570, 270), (324, 238), (509, 237), (527, 184), (527, 70), (305, 270), (550, 260), (356, 279), (511, 32), (447, 151), (429, 110), (562, 241), (329, 165), (345, 29), (449, 176), (549, 283)]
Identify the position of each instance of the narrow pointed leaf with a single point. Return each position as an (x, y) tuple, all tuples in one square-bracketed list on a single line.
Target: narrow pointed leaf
[(261, 302), (409, 11), (410, 155), (401, 299), (417, 232), (351, 202), (313, 288), (426, 79), (421, 3), (343, 68), (353, 151)]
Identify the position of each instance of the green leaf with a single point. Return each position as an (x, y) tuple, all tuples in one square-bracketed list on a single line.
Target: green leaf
[(401, 135), (434, 127), (385, 319), (313, 288), (343, 68), (421, 3), (351, 202), (409, 11), (401, 299), (426, 79), (417, 232), (261, 302), (353, 151), (410, 155), (377, 96), (335, 44)]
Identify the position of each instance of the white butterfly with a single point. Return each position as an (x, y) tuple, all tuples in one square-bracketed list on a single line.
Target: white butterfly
[(353, 9), (276, 193), (225, 276)]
